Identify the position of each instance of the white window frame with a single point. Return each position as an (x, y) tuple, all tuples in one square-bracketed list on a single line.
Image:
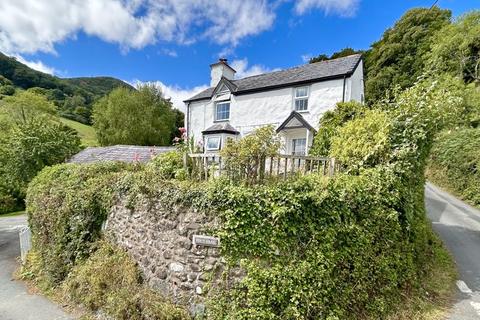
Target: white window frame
[(293, 146), (218, 144), (295, 98), (216, 113)]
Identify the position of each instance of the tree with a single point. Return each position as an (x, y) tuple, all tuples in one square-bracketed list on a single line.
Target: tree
[(456, 49), (141, 117), (33, 145), (26, 105), (339, 54), (397, 59)]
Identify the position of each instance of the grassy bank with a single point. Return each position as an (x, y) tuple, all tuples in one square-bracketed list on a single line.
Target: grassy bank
[(86, 133), (433, 299), (454, 163)]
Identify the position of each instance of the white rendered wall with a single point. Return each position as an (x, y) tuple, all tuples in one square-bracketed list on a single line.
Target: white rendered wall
[(356, 89)]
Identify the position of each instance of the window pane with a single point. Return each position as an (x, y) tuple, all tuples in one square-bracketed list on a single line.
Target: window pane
[(213, 143), (299, 146), (223, 111), (301, 104), (301, 92)]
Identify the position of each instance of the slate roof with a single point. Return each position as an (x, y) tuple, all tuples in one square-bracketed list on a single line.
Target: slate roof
[(223, 127), (308, 73), (300, 118), (118, 153)]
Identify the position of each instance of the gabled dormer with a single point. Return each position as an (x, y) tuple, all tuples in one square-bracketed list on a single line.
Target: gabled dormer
[(224, 86)]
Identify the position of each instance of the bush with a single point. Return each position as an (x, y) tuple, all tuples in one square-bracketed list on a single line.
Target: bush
[(7, 203), (110, 281), (168, 165), (455, 163), (364, 141), (66, 206), (244, 158), (7, 90), (331, 121)]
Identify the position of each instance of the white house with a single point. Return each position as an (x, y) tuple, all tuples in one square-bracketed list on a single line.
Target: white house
[(292, 100)]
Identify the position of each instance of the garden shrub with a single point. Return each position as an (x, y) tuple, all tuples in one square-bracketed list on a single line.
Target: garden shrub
[(245, 157), (168, 165), (364, 141), (109, 280), (66, 205), (7, 202), (455, 163), (331, 121)]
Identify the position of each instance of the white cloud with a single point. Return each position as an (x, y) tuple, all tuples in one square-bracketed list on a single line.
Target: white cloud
[(175, 93), (28, 26), (344, 8), (306, 57), (244, 70), (169, 52), (36, 65)]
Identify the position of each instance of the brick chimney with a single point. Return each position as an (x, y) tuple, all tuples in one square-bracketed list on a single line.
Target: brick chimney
[(220, 69)]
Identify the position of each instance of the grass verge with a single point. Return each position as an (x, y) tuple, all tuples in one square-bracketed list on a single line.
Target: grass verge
[(433, 299), (12, 214)]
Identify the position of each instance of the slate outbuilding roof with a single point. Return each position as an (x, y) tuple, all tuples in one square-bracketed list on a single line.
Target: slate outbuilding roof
[(314, 72), (223, 127), (118, 153)]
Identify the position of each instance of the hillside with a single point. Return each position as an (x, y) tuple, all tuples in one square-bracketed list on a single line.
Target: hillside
[(73, 96), (85, 132)]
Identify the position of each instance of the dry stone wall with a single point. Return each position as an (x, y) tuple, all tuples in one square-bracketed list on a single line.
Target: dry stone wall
[(160, 240)]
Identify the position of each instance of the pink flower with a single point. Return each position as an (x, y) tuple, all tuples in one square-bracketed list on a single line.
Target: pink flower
[(182, 130)]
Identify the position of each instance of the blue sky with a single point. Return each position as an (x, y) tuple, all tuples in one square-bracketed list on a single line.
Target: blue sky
[(172, 42)]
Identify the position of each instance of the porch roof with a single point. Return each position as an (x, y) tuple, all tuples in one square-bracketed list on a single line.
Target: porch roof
[(294, 121), (223, 127)]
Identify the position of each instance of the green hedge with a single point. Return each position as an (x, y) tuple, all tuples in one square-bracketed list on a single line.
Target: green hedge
[(455, 163), (66, 205)]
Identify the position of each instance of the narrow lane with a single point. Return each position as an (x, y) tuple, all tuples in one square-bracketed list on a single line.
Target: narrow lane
[(15, 301), (458, 225)]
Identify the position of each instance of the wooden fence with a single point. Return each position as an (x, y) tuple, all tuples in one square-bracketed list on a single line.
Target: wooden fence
[(207, 165)]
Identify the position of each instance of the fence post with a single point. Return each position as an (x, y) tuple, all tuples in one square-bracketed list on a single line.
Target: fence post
[(331, 170)]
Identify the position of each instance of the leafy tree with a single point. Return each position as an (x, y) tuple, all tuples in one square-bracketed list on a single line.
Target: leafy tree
[(456, 49), (142, 117), (331, 121), (179, 123), (339, 54), (25, 106), (32, 145), (397, 59), (363, 141)]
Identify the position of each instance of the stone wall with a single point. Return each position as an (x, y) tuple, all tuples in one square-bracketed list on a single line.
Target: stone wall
[(160, 240)]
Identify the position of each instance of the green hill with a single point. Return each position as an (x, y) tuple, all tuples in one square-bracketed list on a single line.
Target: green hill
[(86, 132), (73, 96)]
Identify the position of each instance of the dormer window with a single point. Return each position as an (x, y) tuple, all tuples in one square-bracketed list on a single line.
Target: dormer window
[(222, 111), (301, 99)]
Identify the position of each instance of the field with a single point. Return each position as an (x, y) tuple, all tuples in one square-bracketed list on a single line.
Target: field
[(86, 133)]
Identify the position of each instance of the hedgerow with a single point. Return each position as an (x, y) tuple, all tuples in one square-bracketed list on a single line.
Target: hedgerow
[(455, 163), (66, 206)]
